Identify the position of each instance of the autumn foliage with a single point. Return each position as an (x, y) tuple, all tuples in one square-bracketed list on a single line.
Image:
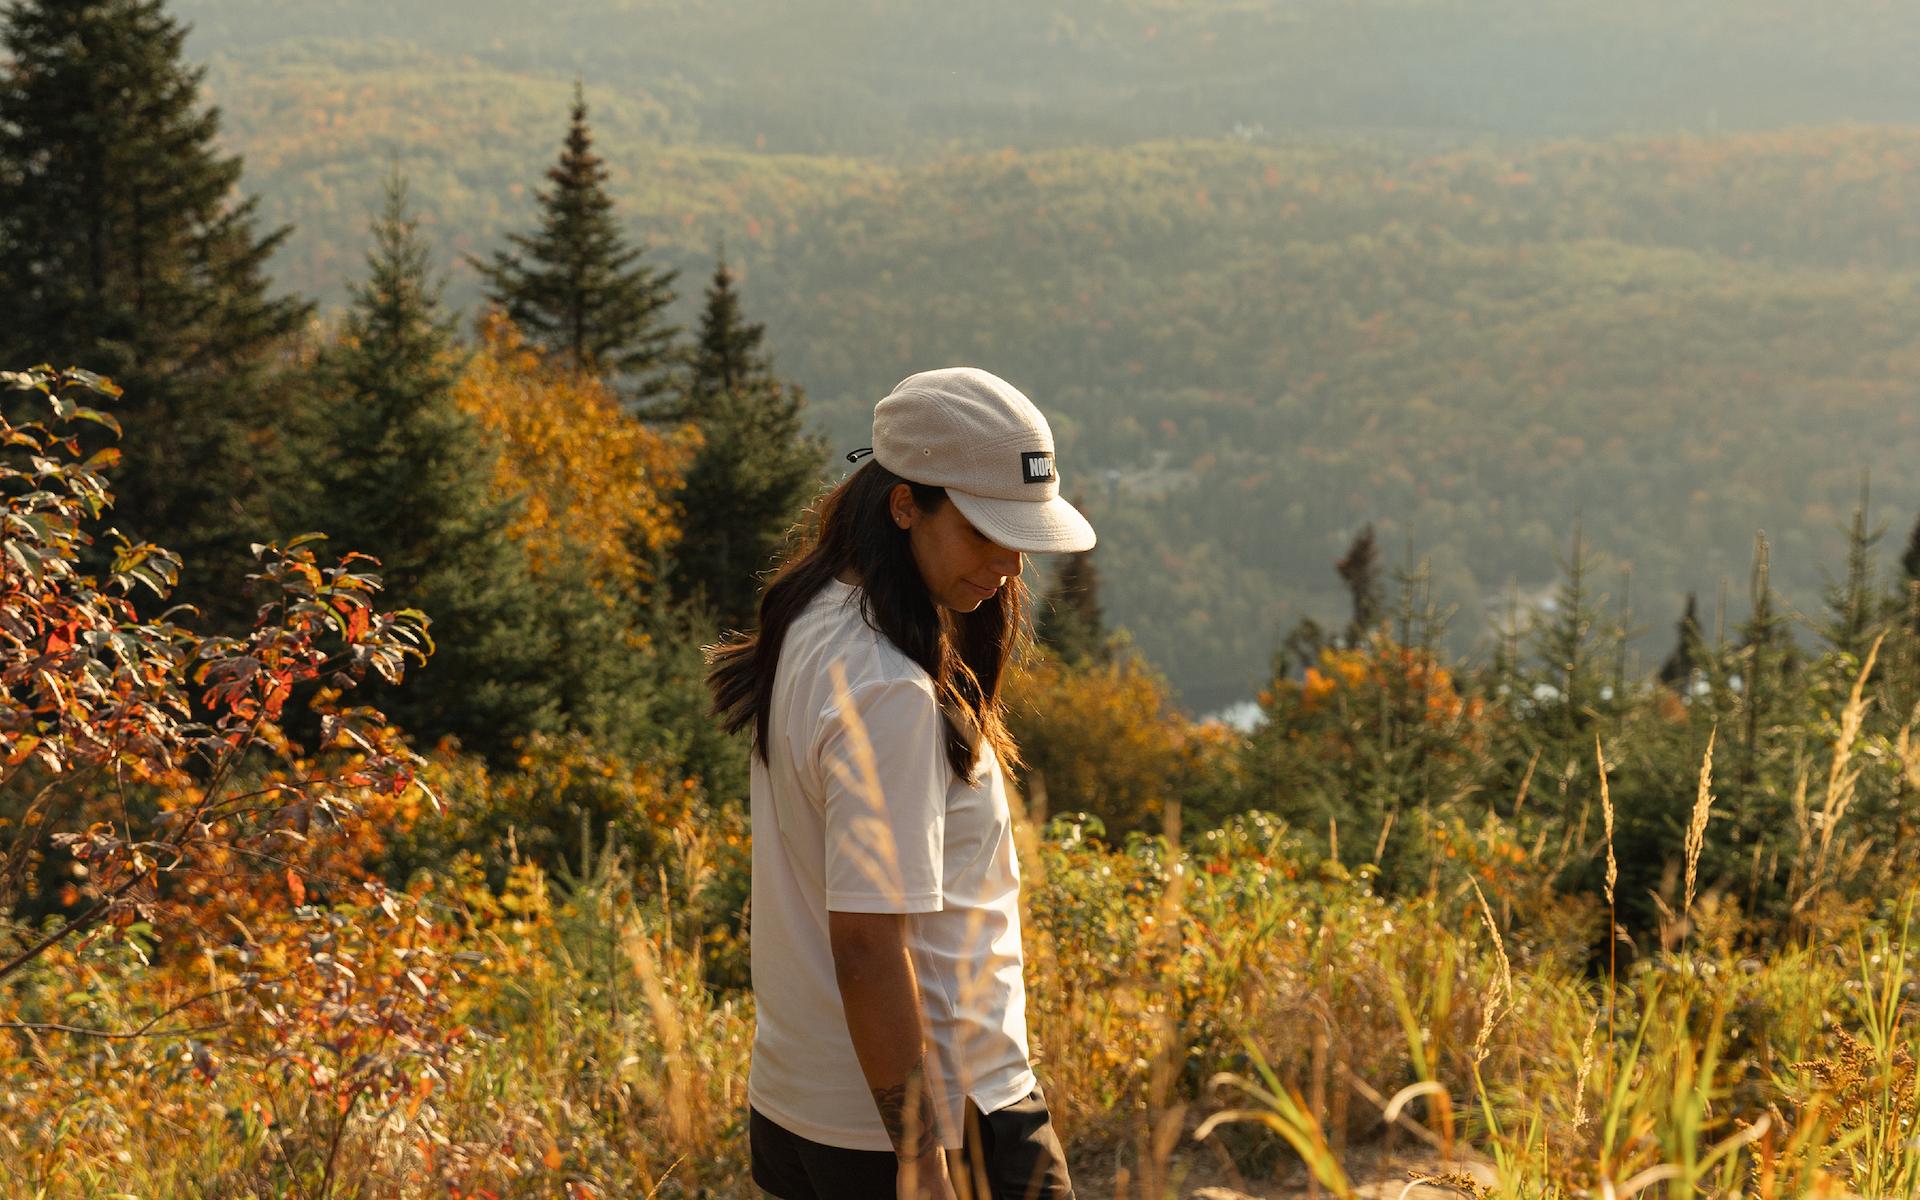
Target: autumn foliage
[(140, 754), (1107, 740), (593, 482)]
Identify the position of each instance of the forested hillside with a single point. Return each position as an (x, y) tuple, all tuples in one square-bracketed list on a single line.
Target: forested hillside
[(1684, 339), (886, 76), (1253, 345)]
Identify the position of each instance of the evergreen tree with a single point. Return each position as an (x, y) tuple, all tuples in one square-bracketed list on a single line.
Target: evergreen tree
[(755, 469), (728, 356), (1071, 622), (1910, 590), (1571, 648), (1300, 649), (576, 286), (121, 250), (1690, 649), (406, 477), (1360, 571), (1854, 603), (1763, 763)]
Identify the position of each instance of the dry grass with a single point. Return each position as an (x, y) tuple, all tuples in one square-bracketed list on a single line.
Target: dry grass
[(631, 1083), (1357, 1037)]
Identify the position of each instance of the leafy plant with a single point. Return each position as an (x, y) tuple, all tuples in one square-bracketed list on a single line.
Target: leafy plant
[(137, 751)]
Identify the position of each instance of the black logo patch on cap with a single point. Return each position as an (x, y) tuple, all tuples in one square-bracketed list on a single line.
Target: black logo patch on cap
[(1036, 466)]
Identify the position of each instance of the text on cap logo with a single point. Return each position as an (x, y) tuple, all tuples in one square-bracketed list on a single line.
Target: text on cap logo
[(1036, 466)]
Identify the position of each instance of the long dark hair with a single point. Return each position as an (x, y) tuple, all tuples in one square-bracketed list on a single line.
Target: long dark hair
[(852, 530)]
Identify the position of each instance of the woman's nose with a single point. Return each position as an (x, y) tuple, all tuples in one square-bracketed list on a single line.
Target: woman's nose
[(1007, 562)]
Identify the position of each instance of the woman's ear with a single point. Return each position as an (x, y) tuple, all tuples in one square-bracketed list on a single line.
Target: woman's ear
[(900, 506)]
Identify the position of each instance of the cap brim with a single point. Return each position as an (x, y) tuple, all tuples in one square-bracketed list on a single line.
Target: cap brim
[(1029, 526)]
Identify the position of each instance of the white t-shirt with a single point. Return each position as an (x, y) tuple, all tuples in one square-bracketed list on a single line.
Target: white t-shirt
[(930, 845)]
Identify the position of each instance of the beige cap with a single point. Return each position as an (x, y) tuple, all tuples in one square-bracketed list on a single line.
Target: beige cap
[(974, 434)]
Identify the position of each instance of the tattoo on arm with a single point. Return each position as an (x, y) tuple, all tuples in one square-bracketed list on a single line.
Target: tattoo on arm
[(906, 1109)]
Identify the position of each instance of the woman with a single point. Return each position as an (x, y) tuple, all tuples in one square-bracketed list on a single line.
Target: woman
[(886, 929)]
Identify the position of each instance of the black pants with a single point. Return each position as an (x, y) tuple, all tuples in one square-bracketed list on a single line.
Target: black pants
[(1010, 1154)]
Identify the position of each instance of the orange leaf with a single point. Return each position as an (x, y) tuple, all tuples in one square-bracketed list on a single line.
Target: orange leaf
[(552, 1159), (420, 1094), (296, 888)]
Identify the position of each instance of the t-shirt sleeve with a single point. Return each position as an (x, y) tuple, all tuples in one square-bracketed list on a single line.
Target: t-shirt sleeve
[(885, 790)]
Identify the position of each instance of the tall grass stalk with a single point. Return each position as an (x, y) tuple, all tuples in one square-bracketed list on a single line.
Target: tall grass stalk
[(1841, 781), (1614, 931), (1426, 1045), (1283, 1111), (1697, 826)]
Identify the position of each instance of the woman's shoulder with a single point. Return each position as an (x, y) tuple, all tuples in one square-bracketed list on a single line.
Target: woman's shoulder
[(834, 628)]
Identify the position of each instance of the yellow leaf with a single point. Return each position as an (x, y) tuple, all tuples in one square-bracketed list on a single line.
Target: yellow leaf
[(593, 482)]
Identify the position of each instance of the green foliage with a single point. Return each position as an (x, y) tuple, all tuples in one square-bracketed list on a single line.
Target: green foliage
[(1396, 754), (581, 290), (399, 469), (728, 354), (1071, 624), (1854, 602), (756, 467), (1690, 646), (1372, 751), (680, 730), (1101, 740), (121, 246)]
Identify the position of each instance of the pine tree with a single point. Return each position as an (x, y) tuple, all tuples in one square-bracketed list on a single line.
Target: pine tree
[(577, 287), (1071, 623), (1854, 603), (1571, 648), (122, 250), (1768, 661), (1690, 648), (1360, 571), (1910, 567), (406, 478), (728, 357), (754, 470), (1300, 649)]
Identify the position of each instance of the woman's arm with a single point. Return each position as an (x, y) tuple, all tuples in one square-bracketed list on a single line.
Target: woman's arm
[(882, 1003)]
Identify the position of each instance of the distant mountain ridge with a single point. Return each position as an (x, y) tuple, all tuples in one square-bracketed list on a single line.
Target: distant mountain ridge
[(892, 76)]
